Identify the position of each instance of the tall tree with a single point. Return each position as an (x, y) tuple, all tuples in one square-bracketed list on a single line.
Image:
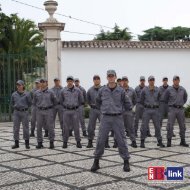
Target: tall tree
[(18, 35), (159, 34), (117, 34)]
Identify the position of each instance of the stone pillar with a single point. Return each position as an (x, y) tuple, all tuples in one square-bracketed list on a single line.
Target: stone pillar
[(52, 29)]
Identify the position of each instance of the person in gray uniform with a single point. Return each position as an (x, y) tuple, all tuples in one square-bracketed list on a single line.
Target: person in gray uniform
[(128, 114), (45, 100), (94, 111), (139, 107), (20, 102), (58, 109), (33, 109), (81, 108), (71, 99), (150, 100), (112, 100), (176, 97)]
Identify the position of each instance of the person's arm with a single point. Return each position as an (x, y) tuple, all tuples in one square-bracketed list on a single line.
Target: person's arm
[(80, 98), (134, 98), (185, 96), (99, 99), (54, 98), (142, 97), (29, 99), (88, 99)]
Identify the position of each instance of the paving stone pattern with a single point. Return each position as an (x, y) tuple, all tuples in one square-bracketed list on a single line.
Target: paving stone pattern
[(69, 168)]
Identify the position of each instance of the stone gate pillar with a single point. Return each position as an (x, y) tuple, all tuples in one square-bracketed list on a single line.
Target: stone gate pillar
[(52, 29)]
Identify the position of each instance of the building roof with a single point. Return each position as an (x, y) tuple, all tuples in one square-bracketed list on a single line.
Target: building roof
[(127, 44)]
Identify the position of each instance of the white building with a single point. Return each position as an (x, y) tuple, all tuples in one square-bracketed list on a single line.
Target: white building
[(83, 59)]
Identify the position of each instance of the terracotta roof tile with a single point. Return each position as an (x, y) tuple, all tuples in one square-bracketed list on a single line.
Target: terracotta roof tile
[(127, 44)]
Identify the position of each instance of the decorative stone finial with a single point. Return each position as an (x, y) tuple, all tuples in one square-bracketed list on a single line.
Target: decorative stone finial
[(51, 7)]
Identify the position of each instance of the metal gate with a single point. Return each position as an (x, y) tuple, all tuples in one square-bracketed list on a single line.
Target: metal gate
[(25, 66)]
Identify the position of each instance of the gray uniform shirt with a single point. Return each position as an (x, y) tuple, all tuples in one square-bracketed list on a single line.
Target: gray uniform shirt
[(21, 100), (138, 91), (162, 91), (44, 98), (57, 92), (92, 95), (83, 93), (150, 97), (176, 97), (32, 93), (132, 95), (71, 97), (113, 101)]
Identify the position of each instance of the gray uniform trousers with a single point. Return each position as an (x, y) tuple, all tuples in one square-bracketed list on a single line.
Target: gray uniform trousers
[(138, 115), (45, 118), (149, 114), (71, 121), (81, 118), (58, 109), (172, 115), (163, 110), (93, 116), (18, 118), (128, 118), (116, 124), (33, 118)]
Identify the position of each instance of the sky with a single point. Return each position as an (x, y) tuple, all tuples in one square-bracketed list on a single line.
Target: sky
[(137, 15)]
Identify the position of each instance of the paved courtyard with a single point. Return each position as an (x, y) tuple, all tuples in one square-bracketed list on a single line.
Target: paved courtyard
[(70, 168)]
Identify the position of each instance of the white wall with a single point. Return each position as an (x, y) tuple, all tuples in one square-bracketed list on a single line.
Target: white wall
[(84, 63)]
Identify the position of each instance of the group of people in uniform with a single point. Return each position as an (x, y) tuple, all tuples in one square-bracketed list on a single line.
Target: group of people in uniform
[(111, 104)]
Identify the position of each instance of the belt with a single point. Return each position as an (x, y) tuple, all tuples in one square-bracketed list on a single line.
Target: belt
[(93, 107), (71, 108), (151, 106), (24, 109), (45, 108), (176, 106), (112, 114)]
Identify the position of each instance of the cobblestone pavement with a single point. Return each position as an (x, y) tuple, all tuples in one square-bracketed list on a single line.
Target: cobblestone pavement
[(69, 168)]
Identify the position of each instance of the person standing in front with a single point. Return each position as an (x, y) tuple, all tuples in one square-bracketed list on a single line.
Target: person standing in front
[(45, 101), (71, 99), (21, 101), (176, 97), (112, 101)]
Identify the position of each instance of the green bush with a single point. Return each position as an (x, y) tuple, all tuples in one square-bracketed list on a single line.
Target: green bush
[(187, 111), (86, 112)]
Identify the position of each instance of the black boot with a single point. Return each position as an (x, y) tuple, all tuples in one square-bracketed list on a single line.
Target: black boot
[(127, 133), (115, 145), (183, 143), (27, 144), (160, 144), (134, 144), (16, 145), (169, 142), (148, 134), (95, 165), (51, 145), (142, 143), (84, 134), (32, 133), (79, 145), (40, 145), (107, 144), (173, 135), (90, 145), (70, 133), (46, 133), (126, 167), (64, 145)]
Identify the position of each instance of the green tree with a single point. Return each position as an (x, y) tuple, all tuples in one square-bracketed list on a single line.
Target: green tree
[(117, 34), (159, 34), (18, 35)]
